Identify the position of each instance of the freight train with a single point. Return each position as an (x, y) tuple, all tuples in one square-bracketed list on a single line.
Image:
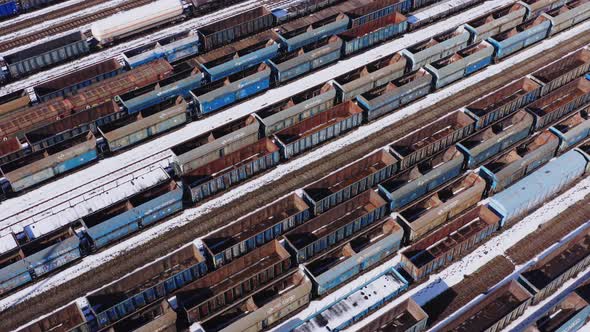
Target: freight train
[(155, 97), (250, 146), (479, 135)]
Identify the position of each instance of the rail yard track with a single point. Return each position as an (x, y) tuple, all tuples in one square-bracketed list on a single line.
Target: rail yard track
[(148, 252), (67, 25), (49, 16)]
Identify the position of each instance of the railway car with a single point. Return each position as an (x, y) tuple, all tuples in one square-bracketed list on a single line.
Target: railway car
[(441, 247), (150, 284), (503, 102), (549, 273), (294, 109), (540, 185), (411, 184), (437, 10), (546, 110), (317, 129), (69, 84), (256, 229), (350, 181), (335, 225), (231, 169), (407, 316), (498, 137), (562, 72), (537, 7), (569, 314), (436, 48), (135, 128), (69, 318), (171, 48), (276, 303), (136, 20), (356, 304), (163, 92), (370, 76), (128, 215), (519, 37), (213, 294), (44, 55), (238, 56), (460, 64), (432, 138), (436, 209), (395, 94), (520, 161), (568, 15), (360, 254), (9, 8), (79, 123), (572, 130), (502, 306), (496, 22)]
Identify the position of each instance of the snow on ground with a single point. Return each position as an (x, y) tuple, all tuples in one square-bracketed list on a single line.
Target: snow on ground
[(49, 23), (533, 313), (494, 247), (157, 150), (42, 11), (120, 48), (465, 266)]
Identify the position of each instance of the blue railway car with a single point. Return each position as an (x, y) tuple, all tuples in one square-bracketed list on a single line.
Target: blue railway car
[(414, 183), (369, 248), (185, 79), (148, 285), (239, 56), (50, 162), (395, 94), (572, 130), (460, 64), (520, 161), (231, 169), (523, 35), (217, 95), (496, 138), (125, 217), (54, 257), (9, 8), (528, 193), (305, 60), (171, 48), (14, 276)]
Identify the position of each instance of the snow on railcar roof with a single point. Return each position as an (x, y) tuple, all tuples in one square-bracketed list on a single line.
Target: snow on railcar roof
[(96, 199), (136, 15), (7, 243), (359, 301)]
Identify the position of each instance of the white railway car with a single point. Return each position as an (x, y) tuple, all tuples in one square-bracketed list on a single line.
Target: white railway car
[(438, 10), (135, 20)]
